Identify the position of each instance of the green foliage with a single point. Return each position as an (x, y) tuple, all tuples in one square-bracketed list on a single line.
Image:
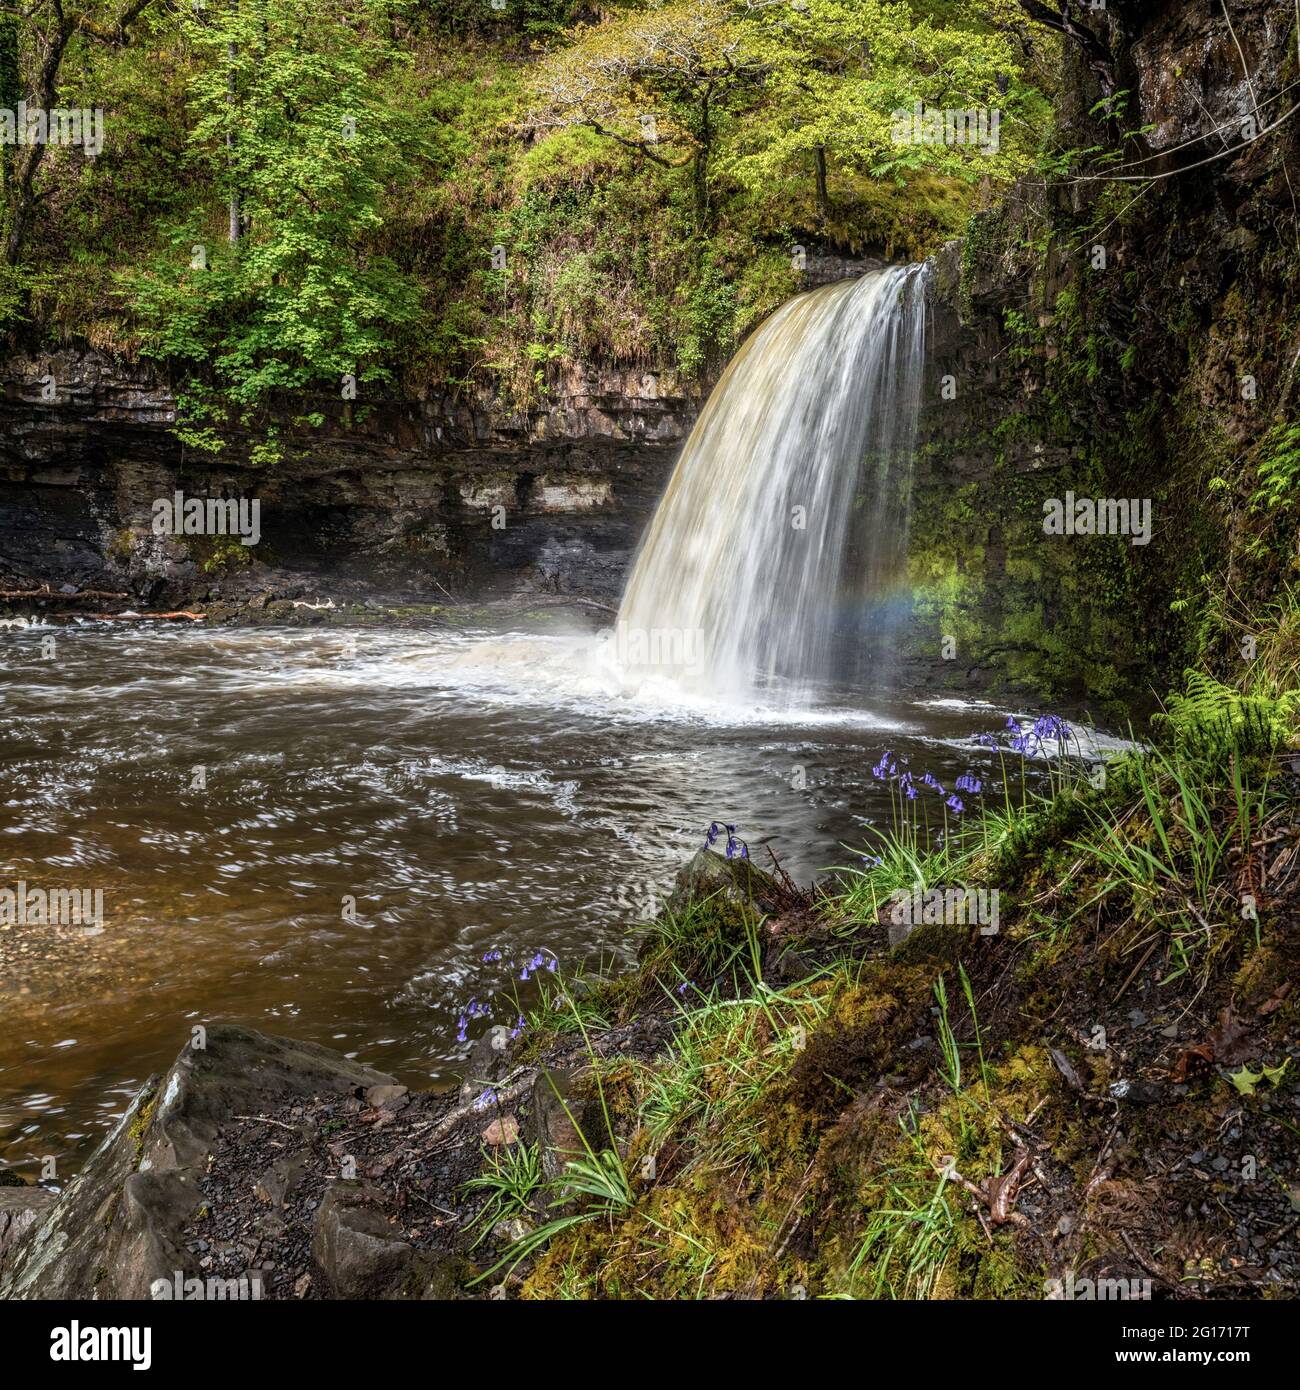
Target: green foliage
[(1209, 720), (292, 134), (1278, 470), (371, 256), (511, 1178)]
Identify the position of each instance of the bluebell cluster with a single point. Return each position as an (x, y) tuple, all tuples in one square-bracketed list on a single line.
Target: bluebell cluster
[(735, 848), (1047, 728), (887, 770), (533, 964)]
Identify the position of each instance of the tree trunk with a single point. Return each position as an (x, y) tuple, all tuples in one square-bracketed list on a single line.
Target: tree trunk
[(29, 160), (700, 169), (823, 202), (230, 144)]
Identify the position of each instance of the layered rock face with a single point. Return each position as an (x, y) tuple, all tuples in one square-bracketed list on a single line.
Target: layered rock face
[(1117, 339), (407, 497), (117, 1229), (409, 492)]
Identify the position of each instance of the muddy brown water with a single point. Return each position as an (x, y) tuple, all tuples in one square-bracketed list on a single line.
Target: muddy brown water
[(473, 791)]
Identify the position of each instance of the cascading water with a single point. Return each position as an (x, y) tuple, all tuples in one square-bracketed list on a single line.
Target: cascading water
[(768, 568)]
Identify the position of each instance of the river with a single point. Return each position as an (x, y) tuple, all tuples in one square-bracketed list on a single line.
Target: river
[(473, 791)]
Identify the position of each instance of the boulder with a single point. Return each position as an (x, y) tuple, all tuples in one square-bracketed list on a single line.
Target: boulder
[(117, 1226), (708, 873), (359, 1255), (488, 1062), (562, 1120), (21, 1208)]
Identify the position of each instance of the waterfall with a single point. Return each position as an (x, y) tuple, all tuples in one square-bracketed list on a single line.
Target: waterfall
[(774, 563)]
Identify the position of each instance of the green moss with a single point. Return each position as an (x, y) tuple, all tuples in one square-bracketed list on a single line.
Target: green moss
[(139, 1125)]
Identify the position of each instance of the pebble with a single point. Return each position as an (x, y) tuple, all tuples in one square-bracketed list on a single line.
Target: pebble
[(502, 1131)]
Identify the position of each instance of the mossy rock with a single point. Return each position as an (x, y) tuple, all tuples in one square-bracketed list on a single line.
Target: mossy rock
[(932, 941), (709, 873)]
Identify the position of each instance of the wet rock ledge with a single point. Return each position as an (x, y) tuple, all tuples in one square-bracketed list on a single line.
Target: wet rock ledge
[(261, 1167)]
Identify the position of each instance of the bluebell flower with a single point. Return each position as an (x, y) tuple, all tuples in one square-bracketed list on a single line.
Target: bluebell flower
[(956, 804), (1051, 726), (969, 783)]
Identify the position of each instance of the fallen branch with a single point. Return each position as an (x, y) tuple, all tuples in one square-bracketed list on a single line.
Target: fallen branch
[(47, 593), (131, 617), (263, 1120), (503, 1096)]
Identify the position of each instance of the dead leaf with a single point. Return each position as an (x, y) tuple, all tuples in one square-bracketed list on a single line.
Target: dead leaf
[(1228, 1039), (1192, 1060), (1273, 1004)]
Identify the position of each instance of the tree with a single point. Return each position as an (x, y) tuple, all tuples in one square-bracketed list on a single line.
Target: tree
[(48, 29), (837, 72), (657, 81), (298, 145), (821, 79)]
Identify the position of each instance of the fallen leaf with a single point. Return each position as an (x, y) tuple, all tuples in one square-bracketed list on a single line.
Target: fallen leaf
[(1228, 1039), (1246, 1080), (1192, 1060), (1271, 1005)]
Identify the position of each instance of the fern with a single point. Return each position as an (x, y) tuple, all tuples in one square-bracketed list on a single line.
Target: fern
[(1211, 720), (1278, 472)]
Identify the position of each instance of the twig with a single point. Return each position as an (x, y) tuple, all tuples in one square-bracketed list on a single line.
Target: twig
[(1133, 973), (500, 1097), (1145, 1264)]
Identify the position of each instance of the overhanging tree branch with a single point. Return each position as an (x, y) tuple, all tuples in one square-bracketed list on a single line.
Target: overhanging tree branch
[(1063, 20)]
